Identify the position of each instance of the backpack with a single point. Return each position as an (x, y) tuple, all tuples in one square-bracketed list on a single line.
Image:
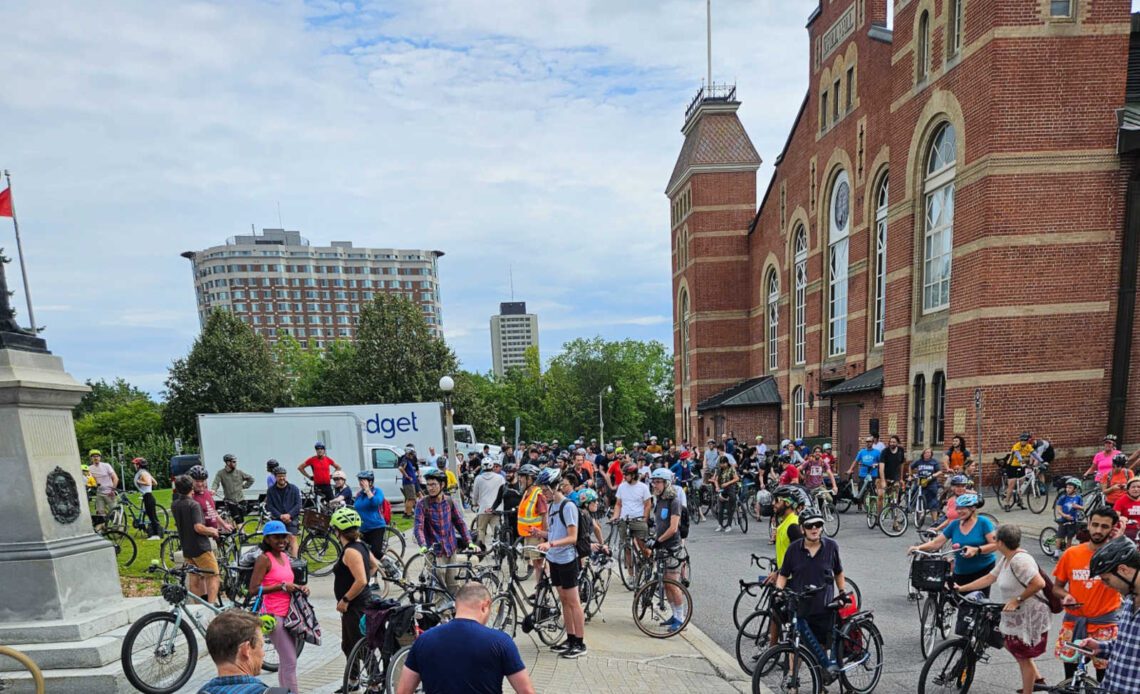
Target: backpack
[(683, 529), (1048, 455), (582, 544), (1048, 594), (386, 511)]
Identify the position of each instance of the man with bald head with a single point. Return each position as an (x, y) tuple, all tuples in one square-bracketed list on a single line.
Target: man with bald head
[(464, 655)]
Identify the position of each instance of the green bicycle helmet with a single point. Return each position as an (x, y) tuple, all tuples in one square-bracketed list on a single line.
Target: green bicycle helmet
[(345, 519)]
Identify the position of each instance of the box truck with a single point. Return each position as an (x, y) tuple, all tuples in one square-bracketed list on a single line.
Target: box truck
[(288, 437)]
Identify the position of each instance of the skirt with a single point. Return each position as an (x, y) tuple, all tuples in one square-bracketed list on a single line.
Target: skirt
[(1022, 651)]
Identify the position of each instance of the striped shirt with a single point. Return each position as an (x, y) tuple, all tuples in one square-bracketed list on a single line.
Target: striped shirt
[(1123, 654)]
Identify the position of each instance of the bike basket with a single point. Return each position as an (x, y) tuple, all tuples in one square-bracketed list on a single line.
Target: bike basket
[(315, 520), (970, 617), (929, 574), (173, 593)]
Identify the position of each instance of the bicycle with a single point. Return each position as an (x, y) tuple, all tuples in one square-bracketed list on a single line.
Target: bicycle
[(914, 502), (893, 519), (652, 608), (159, 652), (632, 562), (543, 611), (425, 567), (506, 551), (12, 677), (753, 595), (319, 544), (128, 515), (692, 499), (951, 665), (124, 545), (594, 581), (827, 508), (857, 650), (1080, 682), (1030, 490), (929, 573), (1048, 542)]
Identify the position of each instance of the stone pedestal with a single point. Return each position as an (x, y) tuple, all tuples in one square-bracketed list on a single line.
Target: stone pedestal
[(53, 569)]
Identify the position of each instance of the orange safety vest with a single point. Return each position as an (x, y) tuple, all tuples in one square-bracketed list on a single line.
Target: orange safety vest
[(529, 520)]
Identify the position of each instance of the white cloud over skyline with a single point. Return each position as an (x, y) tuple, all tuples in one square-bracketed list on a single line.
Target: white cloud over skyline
[(524, 134)]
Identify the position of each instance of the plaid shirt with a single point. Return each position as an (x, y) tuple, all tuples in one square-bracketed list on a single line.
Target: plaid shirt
[(234, 684), (1123, 654), (441, 522)]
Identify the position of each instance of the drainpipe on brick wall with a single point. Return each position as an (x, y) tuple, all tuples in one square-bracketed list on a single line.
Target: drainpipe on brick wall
[(1125, 308)]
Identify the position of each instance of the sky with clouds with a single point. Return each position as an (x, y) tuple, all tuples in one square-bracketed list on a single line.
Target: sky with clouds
[(537, 134)]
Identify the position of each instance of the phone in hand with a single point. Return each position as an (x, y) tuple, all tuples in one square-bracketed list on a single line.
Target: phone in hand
[(1079, 649)]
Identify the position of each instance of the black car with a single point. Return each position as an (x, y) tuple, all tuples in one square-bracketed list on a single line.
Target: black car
[(181, 464)]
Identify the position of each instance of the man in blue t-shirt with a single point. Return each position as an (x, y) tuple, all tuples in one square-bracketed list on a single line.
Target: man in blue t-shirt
[(870, 468), (464, 655)]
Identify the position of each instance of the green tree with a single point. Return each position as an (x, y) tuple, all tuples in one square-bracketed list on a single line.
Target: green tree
[(106, 396), (127, 422), (229, 369)]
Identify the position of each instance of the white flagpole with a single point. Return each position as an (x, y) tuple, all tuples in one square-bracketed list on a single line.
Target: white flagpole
[(20, 253), (708, 29)]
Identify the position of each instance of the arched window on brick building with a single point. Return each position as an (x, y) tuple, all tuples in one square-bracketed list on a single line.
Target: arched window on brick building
[(683, 320), (918, 400), (880, 261), (937, 407), (773, 286), (839, 216), (798, 412), (800, 298), (922, 48), (938, 222)]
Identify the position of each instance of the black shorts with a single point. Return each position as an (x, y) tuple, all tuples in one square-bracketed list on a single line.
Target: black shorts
[(564, 575), (1014, 473)]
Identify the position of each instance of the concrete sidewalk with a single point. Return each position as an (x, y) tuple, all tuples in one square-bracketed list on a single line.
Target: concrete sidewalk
[(621, 660)]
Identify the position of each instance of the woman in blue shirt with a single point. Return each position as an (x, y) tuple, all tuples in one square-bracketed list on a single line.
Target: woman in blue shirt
[(368, 503), (972, 533)]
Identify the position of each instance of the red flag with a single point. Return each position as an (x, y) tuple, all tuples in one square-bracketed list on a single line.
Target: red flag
[(6, 202)]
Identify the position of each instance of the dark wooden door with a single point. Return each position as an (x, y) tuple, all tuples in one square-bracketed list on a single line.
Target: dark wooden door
[(848, 434)]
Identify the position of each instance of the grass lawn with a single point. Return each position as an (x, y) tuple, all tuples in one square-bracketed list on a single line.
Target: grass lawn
[(134, 578)]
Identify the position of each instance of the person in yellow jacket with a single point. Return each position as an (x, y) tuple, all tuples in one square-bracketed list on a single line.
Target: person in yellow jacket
[(532, 514), (1020, 458)]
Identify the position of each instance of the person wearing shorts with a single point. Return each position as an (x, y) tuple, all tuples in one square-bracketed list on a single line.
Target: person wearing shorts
[(409, 479), (562, 558), (633, 506), (195, 535), (1090, 605)]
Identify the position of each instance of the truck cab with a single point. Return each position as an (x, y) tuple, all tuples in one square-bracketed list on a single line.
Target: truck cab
[(383, 461), (466, 444)]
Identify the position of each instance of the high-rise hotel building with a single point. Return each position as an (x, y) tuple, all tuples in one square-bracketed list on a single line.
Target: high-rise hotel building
[(280, 284)]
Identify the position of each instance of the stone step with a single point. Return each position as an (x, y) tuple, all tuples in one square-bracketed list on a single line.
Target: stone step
[(89, 653), (107, 679), (81, 628)]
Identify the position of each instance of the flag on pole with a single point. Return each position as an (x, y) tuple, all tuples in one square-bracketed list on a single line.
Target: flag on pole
[(6, 202)]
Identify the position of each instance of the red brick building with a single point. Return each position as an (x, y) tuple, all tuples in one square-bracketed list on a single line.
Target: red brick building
[(948, 220)]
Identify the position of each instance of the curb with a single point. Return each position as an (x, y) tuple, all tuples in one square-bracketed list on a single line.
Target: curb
[(722, 663)]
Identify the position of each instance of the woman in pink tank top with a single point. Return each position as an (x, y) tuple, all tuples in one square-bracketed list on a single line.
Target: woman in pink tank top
[(273, 577)]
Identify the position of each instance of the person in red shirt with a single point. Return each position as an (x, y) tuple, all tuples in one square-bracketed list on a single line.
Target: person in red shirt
[(1128, 506), (614, 477), (322, 471), (791, 474)]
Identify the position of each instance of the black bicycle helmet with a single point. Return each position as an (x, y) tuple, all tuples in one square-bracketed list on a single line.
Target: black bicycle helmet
[(1115, 552), (543, 460), (511, 467), (437, 475), (1119, 460), (271, 464), (198, 473), (229, 458), (809, 516)]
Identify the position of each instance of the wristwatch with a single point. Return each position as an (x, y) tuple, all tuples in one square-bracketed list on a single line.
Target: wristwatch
[(1018, 599)]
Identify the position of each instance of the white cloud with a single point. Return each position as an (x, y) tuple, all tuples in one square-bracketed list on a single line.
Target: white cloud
[(538, 135)]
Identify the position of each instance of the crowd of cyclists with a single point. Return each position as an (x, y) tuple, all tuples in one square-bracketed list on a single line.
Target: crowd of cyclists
[(562, 507)]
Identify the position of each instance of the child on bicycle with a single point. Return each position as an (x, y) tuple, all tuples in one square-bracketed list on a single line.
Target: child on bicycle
[(1068, 510)]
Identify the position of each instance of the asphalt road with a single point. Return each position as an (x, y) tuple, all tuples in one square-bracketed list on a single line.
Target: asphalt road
[(879, 565)]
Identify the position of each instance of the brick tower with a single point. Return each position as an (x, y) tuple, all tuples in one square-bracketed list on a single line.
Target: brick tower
[(712, 196)]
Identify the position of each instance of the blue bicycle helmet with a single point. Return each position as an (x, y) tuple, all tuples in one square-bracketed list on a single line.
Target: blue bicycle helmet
[(549, 477), (366, 475), (968, 500), (959, 480)]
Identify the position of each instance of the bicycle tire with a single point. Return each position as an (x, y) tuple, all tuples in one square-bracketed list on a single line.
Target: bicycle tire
[(930, 631), (919, 514), (830, 519), (751, 598), (551, 627), (1035, 498), (178, 678), (706, 500), (772, 527), (853, 588), (321, 552), (780, 664), (860, 641), (752, 639), (163, 516), (992, 518), (957, 672), (125, 548), (872, 510), (742, 519), (395, 669), (647, 604), (893, 521), (393, 537), (363, 669), (694, 506), (1047, 541), (502, 614), (629, 574), (169, 550)]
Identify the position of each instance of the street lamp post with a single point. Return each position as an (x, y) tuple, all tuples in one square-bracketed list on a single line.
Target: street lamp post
[(601, 420), (447, 385)]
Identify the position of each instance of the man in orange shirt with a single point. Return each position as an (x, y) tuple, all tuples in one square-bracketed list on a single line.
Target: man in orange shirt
[(1090, 605)]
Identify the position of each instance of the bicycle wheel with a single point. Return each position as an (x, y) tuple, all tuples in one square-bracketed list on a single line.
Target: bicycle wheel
[(753, 507), (364, 669), (520, 567), (629, 573), (653, 611), (548, 620), (787, 669), (601, 587), (1036, 498), (772, 527), (503, 614), (871, 506), (585, 592), (396, 669), (830, 519), (169, 551), (321, 552), (163, 516), (919, 515), (394, 540), (949, 668), (742, 517), (1048, 541), (853, 588), (931, 628), (752, 597), (706, 503), (859, 648), (752, 639), (695, 516), (893, 521), (157, 656), (125, 547)]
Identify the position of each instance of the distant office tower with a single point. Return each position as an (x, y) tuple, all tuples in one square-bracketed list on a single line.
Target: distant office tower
[(279, 284), (512, 331)]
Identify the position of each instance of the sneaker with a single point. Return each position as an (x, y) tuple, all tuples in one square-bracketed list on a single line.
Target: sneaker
[(154, 537), (718, 529), (575, 651), (728, 529), (561, 647), (672, 624)]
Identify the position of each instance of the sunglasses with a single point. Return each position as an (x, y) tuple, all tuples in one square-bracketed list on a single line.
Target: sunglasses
[(813, 526)]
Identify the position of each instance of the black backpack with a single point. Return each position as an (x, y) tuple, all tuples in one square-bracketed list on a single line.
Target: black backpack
[(1049, 454), (683, 528), (585, 527)]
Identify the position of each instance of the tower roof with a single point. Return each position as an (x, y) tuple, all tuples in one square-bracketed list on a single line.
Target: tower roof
[(715, 140)]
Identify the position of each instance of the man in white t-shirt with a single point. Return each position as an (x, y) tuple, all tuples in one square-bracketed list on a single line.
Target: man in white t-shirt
[(633, 504)]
